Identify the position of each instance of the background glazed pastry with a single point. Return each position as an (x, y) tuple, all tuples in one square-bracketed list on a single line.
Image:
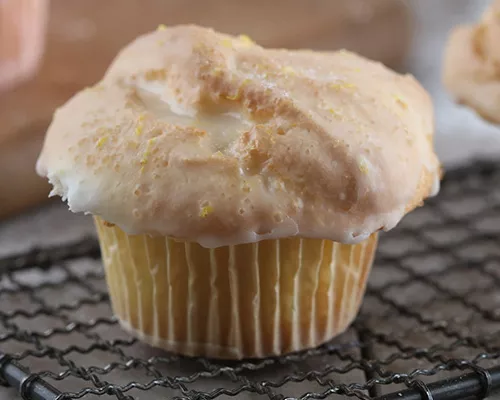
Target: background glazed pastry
[(237, 190), (83, 36), (472, 64)]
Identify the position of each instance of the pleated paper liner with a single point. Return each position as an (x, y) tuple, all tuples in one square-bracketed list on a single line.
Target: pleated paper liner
[(244, 301)]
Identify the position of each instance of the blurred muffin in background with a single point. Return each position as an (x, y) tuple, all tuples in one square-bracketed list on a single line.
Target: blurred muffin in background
[(471, 70), (83, 36)]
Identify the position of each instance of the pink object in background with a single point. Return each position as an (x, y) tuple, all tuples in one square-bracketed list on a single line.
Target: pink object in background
[(22, 38)]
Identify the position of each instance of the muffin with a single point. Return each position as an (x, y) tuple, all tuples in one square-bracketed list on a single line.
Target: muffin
[(238, 191), (472, 65)]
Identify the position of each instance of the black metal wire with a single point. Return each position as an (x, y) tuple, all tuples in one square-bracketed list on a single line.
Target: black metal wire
[(59, 341)]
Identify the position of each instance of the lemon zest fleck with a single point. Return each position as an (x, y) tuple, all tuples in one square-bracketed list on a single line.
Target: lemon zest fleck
[(206, 211), (288, 70), (363, 166), (217, 71), (342, 85), (227, 43), (161, 27), (335, 113), (140, 125), (233, 96), (237, 95), (246, 40), (147, 152), (155, 75), (400, 101), (97, 88), (101, 142)]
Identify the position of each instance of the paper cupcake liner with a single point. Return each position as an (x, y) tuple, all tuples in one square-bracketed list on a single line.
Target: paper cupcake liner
[(244, 301)]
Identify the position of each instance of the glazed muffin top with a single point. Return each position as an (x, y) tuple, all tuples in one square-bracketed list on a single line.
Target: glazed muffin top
[(213, 139), (471, 70)]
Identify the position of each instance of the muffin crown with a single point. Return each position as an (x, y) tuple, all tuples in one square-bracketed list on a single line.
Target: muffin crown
[(213, 139)]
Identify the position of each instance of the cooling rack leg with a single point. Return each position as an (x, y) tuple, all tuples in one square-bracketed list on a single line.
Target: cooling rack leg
[(30, 386)]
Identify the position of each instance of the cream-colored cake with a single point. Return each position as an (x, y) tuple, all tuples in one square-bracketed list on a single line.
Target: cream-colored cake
[(238, 190)]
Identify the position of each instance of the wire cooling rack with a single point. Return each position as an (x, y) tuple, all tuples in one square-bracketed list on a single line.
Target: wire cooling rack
[(429, 327)]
